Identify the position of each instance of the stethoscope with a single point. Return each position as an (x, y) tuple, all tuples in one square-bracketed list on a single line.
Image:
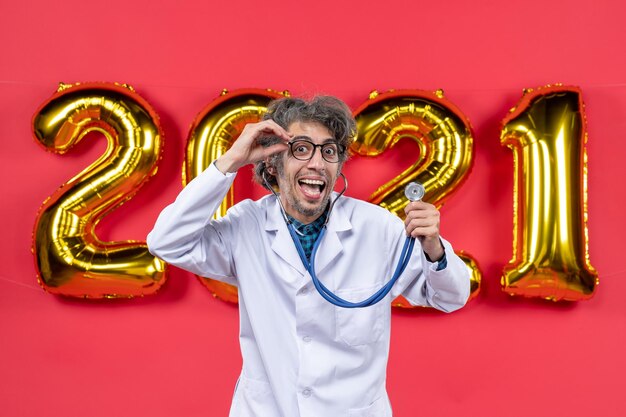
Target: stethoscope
[(414, 192)]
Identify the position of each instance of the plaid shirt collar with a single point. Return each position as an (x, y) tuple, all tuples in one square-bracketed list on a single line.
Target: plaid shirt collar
[(310, 232)]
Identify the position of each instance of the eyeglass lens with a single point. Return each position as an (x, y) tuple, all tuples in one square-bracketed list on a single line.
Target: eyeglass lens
[(304, 150)]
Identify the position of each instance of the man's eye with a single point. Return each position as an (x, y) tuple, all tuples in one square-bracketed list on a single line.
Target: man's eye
[(330, 150), (302, 149)]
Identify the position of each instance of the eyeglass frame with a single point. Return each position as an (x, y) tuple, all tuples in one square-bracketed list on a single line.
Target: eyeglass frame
[(341, 149)]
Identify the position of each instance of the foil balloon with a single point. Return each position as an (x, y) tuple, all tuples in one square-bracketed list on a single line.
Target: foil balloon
[(475, 274), (70, 259), (475, 280), (444, 137), (547, 133), (212, 132)]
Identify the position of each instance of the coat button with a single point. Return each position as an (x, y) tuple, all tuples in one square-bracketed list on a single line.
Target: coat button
[(306, 339), (307, 392)]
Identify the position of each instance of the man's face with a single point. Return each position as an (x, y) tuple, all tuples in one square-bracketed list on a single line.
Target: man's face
[(305, 186)]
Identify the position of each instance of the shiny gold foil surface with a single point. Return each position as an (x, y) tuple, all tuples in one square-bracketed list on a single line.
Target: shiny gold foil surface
[(212, 132), (547, 133), (445, 141), (70, 259)]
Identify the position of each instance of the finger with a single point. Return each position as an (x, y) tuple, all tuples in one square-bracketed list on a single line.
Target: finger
[(270, 126), (274, 149), (417, 205), (422, 215), (269, 145), (263, 153), (422, 222), (422, 231), (262, 133)]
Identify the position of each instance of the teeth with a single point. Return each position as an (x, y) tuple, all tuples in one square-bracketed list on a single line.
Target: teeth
[(313, 182)]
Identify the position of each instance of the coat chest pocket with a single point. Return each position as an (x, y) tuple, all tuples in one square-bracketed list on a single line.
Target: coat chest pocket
[(361, 326)]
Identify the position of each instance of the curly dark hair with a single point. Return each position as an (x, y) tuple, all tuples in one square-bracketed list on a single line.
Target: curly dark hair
[(328, 111)]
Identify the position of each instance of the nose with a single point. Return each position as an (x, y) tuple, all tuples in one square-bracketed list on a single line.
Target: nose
[(316, 161)]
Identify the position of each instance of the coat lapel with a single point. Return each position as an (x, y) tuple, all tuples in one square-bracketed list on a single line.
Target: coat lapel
[(282, 244), (330, 247)]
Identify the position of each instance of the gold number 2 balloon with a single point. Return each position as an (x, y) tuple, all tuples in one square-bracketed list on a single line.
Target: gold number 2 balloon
[(445, 142), (212, 132), (70, 258), (547, 133)]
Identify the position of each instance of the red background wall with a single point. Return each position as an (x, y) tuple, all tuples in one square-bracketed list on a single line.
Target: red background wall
[(176, 353)]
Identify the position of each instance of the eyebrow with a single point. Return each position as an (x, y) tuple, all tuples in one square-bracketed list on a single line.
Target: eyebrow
[(303, 137)]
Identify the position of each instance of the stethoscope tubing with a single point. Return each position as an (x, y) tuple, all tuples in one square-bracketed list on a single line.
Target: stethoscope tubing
[(327, 294), (334, 299)]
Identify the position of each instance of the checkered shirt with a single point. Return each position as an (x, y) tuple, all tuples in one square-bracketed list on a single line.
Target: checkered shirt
[(310, 232)]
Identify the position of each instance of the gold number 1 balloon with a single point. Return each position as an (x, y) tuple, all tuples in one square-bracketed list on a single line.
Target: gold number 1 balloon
[(547, 133), (70, 258)]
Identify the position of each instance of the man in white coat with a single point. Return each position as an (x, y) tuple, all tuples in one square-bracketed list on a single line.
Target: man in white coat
[(303, 356)]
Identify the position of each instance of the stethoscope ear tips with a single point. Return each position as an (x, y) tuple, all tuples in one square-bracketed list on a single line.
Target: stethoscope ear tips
[(414, 191)]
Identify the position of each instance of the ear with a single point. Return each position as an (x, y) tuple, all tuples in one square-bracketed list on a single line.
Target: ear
[(270, 169)]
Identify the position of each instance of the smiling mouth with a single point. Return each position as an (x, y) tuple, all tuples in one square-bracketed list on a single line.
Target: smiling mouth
[(312, 188)]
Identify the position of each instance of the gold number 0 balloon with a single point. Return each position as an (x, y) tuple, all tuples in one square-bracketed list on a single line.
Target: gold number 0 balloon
[(547, 133), (70, 259), (445, 142), (212, 132)]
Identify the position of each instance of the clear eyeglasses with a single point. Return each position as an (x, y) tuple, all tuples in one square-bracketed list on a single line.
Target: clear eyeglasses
[(303, 150)]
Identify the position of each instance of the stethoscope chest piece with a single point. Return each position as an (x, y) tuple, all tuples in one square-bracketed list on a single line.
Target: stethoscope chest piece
[(414, 191)]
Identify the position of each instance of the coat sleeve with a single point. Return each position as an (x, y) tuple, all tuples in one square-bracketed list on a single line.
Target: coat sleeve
[(422, 285), (184, 234)]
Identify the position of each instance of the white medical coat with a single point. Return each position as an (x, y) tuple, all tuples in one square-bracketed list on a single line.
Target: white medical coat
[(302, 356)]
